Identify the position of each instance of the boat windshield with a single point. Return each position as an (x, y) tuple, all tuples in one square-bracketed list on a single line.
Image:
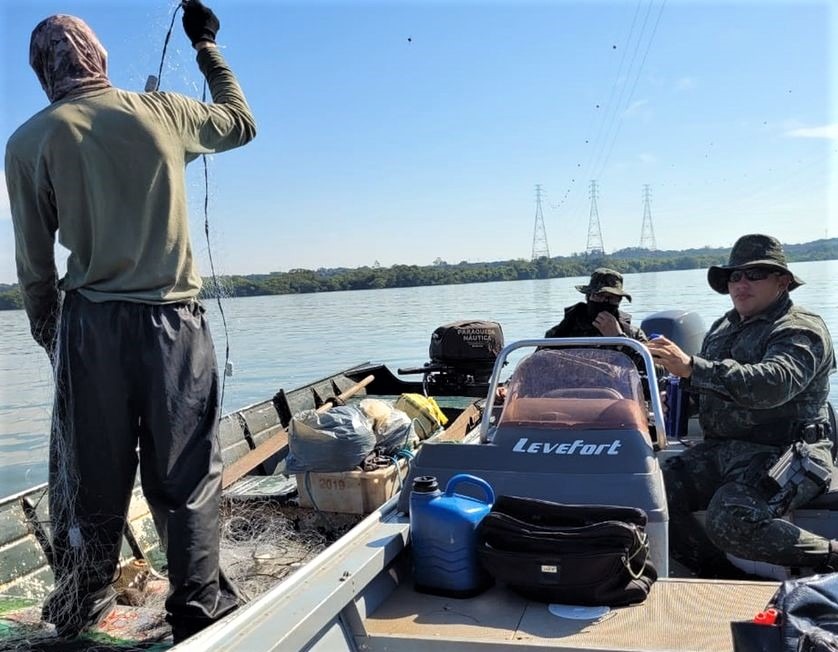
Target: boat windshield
[(575, 388)]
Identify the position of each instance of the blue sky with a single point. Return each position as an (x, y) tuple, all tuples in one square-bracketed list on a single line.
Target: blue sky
[(402, 132)]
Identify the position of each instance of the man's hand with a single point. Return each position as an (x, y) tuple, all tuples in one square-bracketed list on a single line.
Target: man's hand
[(199, 22), (607, 324), (668, 354)]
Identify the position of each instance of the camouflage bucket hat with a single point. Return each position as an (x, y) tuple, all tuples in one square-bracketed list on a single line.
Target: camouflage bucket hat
[(755, 250), (605, 280)]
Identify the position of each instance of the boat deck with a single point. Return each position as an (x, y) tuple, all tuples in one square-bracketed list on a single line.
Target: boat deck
[(358, 596), (679, 614)]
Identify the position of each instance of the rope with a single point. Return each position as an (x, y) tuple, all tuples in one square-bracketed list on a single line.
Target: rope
[(321, 514), (641, 539), (165, 47), (215, 283), (408, 457)]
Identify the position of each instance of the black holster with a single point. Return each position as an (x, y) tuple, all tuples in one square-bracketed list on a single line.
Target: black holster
[(788, 473)]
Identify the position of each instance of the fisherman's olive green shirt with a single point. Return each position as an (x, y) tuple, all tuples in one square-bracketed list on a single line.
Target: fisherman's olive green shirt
[(760, 378), (107, 171)]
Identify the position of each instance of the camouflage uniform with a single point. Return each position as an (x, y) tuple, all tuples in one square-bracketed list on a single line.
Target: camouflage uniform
[(578, 323), (758, 381)]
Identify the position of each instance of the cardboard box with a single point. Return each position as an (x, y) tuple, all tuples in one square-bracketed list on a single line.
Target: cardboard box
[(350, 492)]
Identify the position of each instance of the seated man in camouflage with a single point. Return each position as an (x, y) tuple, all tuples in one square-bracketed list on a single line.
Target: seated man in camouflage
[(599, 314), (762, 381)]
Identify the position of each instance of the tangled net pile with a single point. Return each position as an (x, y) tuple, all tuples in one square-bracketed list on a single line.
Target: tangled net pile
[(262, 543)]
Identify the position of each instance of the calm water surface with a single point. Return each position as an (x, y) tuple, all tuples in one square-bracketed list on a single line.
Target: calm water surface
[(286, 341)]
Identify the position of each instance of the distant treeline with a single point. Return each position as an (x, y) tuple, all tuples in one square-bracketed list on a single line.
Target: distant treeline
[(302, 281)]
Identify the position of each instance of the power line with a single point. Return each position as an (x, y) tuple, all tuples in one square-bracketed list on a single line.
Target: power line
[(614, 109), (610, 106), (613, 118), (602, 118), (619, 123)]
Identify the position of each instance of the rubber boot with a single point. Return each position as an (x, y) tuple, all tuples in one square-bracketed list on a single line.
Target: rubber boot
[(70, 620)]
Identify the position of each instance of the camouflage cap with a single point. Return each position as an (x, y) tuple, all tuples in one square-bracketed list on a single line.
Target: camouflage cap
[(754, 250), (605, 280), (67, 57)]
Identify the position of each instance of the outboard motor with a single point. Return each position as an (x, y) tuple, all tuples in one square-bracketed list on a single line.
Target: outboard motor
[(687, 330), (684, 328), (463, 354)]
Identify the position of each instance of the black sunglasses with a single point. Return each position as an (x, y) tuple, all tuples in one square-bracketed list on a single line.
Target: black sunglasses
[(751, 274)]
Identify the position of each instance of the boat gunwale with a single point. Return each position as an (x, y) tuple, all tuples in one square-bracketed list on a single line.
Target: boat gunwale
[(17, 496), (244, 624)]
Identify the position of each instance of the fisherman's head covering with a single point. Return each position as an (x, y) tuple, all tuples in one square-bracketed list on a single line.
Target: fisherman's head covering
[(605, 280), (67, 57), (754, 250)]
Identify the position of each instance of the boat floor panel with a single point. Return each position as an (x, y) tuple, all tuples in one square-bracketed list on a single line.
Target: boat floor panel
[(679, 614)]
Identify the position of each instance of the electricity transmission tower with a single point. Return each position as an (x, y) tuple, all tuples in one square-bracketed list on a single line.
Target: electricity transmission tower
[(594, 245), (647, 233), (540, 249)]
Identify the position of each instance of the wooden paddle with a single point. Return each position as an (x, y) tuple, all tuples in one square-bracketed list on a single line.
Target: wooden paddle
[(277, 442)]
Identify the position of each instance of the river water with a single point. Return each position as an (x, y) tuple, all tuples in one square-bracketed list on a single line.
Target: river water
[(289, 340)]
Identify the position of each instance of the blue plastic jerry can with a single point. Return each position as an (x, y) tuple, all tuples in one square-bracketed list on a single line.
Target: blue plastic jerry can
[(443, 534)]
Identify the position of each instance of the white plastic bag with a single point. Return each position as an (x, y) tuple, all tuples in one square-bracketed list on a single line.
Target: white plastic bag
[(393, 428)]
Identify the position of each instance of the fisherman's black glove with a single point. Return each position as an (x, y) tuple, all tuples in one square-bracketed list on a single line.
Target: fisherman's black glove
[(199, 22)]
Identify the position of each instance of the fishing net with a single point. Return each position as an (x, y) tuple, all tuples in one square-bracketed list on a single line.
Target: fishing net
[(262, 540)]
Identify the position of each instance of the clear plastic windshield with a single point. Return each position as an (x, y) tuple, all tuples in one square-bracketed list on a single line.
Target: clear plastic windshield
[(590, 389)]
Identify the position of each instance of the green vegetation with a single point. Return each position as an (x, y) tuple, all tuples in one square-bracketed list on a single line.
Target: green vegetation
[(10, 298), (301, 281)]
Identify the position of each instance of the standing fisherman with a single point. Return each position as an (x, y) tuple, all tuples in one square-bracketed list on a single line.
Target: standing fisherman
[(131, 348)]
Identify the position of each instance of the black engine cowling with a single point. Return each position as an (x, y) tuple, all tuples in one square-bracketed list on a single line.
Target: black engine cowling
[(467, 344), (463, 354)]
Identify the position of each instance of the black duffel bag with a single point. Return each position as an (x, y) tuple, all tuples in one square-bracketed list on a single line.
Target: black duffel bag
[(570, 554)]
